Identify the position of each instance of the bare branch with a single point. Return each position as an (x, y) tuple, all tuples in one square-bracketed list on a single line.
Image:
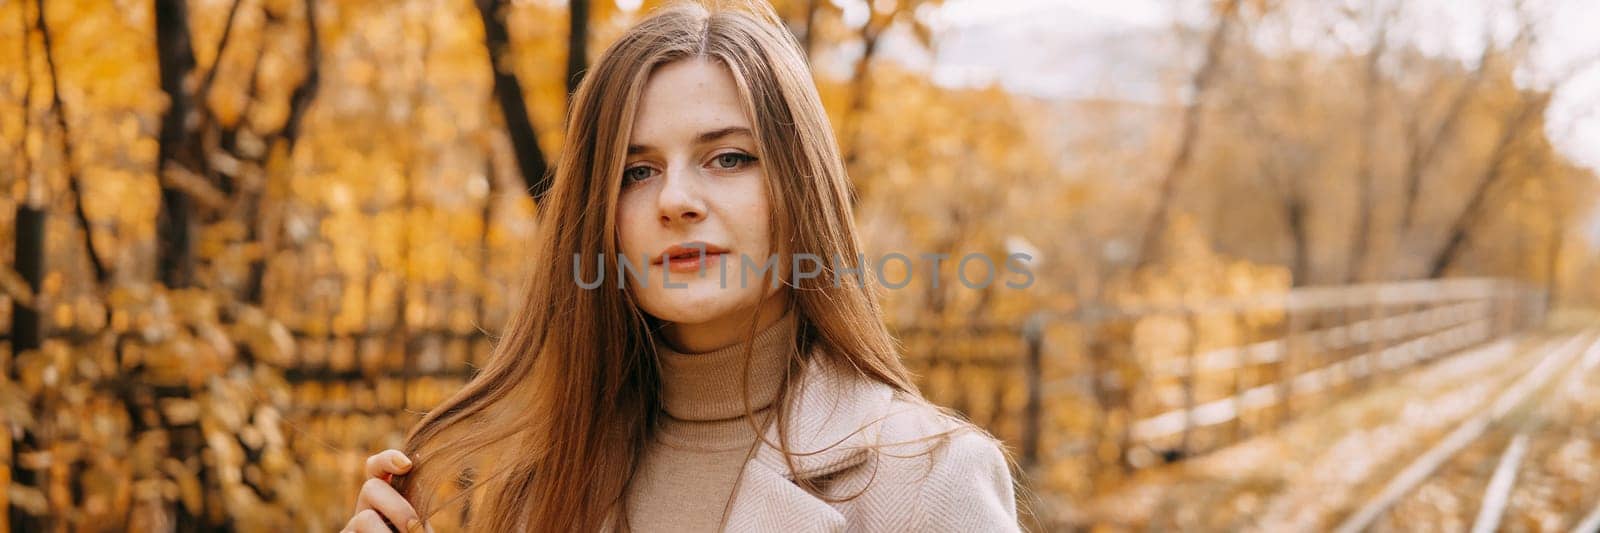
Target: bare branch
[(300, 99), (1422, 156), (73, 178), (1456, 237), (1189, 132), (222, 46), (861, 85)]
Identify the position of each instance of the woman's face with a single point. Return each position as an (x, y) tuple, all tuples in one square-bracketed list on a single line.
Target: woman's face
[(692, 176)]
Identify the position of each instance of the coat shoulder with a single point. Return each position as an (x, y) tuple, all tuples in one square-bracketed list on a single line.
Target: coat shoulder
[(945, 473), (910, 418), (911, 424), (969, 487)]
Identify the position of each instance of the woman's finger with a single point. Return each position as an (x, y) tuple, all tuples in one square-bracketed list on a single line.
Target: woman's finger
[(367, 521), (424, 527), (388, 462), (376, 494)]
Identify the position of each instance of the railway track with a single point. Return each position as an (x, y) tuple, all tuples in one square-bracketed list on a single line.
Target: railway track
[(1338, 480), (1311, 473), (1528, 462)]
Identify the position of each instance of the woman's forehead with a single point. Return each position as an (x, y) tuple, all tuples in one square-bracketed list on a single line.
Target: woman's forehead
[(686, 98)]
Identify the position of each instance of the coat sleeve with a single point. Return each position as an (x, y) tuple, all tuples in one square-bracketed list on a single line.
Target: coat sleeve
[(969, 488)]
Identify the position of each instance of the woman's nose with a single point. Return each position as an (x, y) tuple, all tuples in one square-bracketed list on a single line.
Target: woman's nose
[(680, 199)]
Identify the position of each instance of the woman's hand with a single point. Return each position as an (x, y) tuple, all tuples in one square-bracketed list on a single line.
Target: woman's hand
[(379, 505)]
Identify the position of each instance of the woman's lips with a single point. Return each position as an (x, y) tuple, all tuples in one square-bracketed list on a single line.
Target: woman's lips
[(690, 256), (694, 262)]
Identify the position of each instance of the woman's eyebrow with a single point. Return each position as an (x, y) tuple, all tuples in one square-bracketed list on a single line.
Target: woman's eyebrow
[(702, 138), (720, 133)]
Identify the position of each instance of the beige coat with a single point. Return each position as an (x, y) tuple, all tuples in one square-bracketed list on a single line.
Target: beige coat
[(908, 483)]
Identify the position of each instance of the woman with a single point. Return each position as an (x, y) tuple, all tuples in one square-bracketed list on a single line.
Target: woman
[(671, 393)]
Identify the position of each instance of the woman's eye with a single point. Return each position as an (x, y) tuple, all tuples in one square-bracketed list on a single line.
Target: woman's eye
[(732, 160), (636, 174)]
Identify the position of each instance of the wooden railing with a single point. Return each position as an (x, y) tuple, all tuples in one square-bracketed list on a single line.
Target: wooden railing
[(1117, 389)]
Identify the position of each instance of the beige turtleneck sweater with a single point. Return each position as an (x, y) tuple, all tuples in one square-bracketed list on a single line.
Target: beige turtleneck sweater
[(690, 468), (704, 457)]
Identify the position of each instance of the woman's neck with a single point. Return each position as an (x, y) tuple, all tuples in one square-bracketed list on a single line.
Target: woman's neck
[(726, 330)]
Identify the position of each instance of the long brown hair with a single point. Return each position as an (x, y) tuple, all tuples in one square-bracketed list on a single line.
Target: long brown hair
[(569, 396)]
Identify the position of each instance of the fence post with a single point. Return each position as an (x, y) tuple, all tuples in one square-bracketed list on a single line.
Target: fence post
[(1100, 433), (1543, 302), (1377, 334), (1189, 370), (1033, 335), (1241, 358), (1286, 371), (1503, 301)]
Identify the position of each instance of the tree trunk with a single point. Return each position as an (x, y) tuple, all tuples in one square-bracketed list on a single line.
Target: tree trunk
[(1361, 241), (809, 38), (28, 259), (1552, 271), (259, 227), (860, 91), (174, 227), (1296, 215), (577, 43), (508, 93), (26, 332)]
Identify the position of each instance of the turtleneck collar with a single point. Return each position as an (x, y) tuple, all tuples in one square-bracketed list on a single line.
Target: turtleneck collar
[(710, 385)]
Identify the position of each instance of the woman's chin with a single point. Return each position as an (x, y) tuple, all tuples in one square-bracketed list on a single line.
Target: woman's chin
[(699, 301)]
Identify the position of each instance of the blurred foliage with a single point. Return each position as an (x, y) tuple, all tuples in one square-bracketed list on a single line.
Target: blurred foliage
[(245, 280)]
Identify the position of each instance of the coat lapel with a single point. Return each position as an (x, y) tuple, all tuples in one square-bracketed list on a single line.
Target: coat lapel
[(768, 501), (834, 421)]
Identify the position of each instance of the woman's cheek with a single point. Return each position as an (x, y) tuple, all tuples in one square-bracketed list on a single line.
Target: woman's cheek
[(756, 231), (630, 230)]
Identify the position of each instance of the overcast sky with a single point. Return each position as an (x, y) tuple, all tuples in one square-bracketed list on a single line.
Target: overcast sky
[(1093, 48)]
